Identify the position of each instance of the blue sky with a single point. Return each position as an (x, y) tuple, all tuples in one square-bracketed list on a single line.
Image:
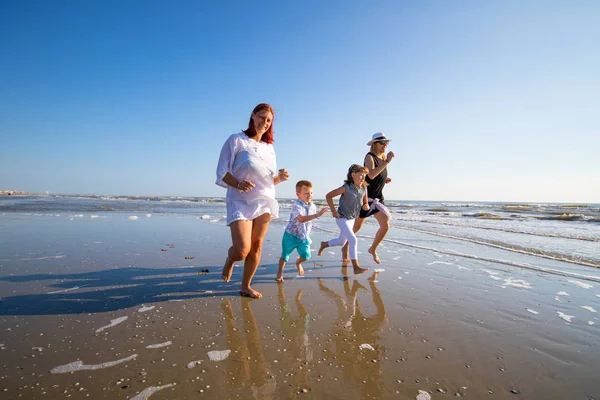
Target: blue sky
[(483, 100)]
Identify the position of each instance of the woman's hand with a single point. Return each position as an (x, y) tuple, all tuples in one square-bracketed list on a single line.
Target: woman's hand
[(245, 186), (389, 156), (283, 175)]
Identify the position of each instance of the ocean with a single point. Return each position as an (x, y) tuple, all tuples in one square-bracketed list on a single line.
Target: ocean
[(561, 239)]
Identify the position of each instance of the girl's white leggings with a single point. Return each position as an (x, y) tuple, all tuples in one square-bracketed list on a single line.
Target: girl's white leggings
[(346, 235)]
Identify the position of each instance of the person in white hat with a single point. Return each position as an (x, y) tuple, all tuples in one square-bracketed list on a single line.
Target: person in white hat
[(376, 161)]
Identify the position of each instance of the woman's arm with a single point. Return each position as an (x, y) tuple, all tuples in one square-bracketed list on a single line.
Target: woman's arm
[(370, 164)]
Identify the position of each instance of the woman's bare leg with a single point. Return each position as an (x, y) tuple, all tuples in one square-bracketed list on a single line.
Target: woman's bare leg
[(240, 238), (384, 227), (358, 223), (260, 225)]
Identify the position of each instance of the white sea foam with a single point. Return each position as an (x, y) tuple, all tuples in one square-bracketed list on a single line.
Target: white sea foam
[(440, 262), (423, 395), (366, 346), (590, 309), (399, 277), (149, 391), (66, 290), (146, 308), (205, 216), (133, 217), (94, 216), (113, 322), (159, 345), (518, 283), (379, 270), (80, 366), (565, 316), (581, 284), (148, 215), (218, 355), (532, 311), (561, 293), (192, 364), (591, 323)]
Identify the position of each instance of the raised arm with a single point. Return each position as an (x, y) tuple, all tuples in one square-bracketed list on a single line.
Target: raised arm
[(370, 164)]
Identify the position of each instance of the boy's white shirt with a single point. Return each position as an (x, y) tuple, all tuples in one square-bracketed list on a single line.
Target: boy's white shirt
[(301, 229)]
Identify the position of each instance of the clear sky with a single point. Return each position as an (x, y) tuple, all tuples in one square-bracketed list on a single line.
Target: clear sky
[(483, 100)]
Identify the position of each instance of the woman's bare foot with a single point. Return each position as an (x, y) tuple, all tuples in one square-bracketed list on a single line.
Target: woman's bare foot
[(300, 268), (375, 256), (227, 270), (345, 262), (324, 245), (249, 292), (357, 268)]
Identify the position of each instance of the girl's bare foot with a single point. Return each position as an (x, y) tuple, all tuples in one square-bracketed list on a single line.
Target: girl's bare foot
[(324, 245), (375, 256), (357, 268), (249, 292), (300, 268), (279, 278), (227, 270)]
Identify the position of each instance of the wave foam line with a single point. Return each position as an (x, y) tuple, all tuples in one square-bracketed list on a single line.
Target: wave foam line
[(593, 278), (508, 230), (80, 366), (513, 249)]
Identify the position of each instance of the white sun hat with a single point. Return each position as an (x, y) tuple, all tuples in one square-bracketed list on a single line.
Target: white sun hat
[(376, 137)]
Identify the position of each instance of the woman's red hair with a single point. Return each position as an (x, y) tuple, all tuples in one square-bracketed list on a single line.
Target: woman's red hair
[(267, 137)]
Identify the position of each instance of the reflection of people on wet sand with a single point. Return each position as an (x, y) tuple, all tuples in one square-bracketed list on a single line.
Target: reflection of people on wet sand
[(247, 365), (351, 330), (297, 347)]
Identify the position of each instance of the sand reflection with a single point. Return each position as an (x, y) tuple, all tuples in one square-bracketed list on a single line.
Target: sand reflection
[(360, 367), (246, 367), (297, 351)]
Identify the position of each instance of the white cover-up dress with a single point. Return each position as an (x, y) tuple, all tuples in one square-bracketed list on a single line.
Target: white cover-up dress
[(247, 159)]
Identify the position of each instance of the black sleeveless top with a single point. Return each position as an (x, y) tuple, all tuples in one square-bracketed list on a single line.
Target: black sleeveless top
[(375, 188)]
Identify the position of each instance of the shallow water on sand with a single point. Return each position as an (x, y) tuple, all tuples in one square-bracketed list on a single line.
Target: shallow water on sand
[(81, 296)]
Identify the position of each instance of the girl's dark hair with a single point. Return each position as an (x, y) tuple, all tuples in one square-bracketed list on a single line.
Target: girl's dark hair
[(355, 168), (267, 137)]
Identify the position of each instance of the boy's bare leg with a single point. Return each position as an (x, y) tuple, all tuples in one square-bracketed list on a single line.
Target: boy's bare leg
[(324, 245), (299, 262), (357, 268), (279, 278)]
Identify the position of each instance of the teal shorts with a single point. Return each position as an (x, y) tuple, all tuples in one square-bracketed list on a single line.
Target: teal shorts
[(291, 242)]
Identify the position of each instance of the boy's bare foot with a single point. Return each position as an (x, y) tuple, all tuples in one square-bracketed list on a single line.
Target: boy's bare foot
[(375, 256), (345, 262), (324, 245), (279, 278), (300, 268), (249, 292), (227, 270)]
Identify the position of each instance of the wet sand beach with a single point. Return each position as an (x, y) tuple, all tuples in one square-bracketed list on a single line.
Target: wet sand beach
[(112, 307)]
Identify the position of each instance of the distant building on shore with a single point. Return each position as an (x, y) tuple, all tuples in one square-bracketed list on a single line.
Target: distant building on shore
[(12, 193)]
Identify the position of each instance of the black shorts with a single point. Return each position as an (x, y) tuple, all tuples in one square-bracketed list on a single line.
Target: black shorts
[(365, 214)]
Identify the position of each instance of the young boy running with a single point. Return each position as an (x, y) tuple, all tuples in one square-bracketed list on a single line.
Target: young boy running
[(297, 232)]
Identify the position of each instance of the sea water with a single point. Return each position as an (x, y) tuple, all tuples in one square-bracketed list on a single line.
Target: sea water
[(552, 238)]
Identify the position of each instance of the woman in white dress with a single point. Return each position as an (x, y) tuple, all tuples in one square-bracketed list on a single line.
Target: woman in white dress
[(247, 168)]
